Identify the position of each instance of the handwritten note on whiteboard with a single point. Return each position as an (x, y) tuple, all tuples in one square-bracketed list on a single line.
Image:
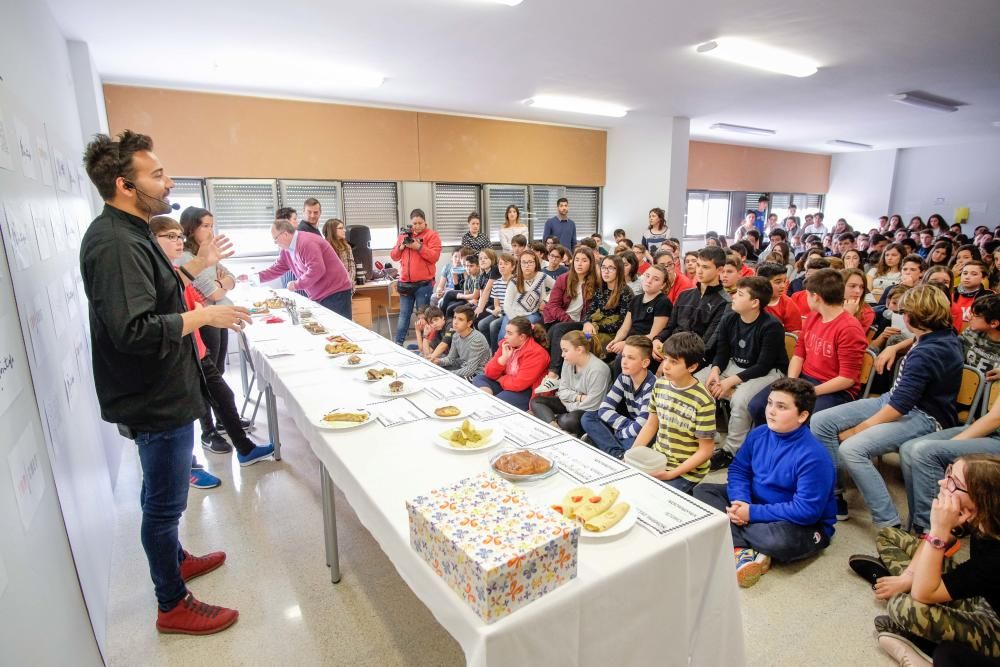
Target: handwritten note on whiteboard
[(26, 474), (13, 365)]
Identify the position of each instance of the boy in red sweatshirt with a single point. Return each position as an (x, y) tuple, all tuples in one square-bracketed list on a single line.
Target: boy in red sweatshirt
[(970, 287)]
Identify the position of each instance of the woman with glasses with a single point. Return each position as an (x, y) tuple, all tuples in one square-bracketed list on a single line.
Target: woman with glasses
[(335, 233), (932, 598)]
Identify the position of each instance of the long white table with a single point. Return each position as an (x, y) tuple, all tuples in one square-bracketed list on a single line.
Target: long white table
[(664, 593)]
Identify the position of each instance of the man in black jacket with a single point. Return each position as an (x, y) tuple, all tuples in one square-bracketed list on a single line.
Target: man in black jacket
[(700, 308), (146, 369)]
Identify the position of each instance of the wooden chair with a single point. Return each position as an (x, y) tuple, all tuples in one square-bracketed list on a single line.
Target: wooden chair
[(992, 393), (970, 393), (867, 373), (790, 341)]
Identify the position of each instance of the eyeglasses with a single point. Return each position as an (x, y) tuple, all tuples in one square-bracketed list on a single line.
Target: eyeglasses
[(172, 236), (950, 483), (667, 266), (607, 267)]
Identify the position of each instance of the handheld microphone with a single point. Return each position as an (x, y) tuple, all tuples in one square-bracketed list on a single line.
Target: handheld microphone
[(129, 185)]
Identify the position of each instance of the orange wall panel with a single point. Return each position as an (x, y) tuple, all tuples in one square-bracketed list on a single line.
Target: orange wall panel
[(745, 168)]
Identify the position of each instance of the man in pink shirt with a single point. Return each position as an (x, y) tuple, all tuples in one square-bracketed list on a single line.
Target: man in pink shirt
[(321, 274)]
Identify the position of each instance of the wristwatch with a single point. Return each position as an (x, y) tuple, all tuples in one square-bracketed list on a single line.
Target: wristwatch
[(935, 542)]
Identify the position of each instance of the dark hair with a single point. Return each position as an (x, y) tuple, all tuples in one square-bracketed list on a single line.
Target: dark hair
[(106, 159), (612, 301), (538, 247), (190, 221), (754, 234), (686, 346), (641, 343), (828, 284), (432, 313), (417, 213), (628, 257), (740, 248), (760, 289), (982, 266), (507, 212), (552, 237), (914, 258), (312, 201), (627, 241), (763, 198), (561, 249), (714, 255), (595, 235), (160, 223), (982, 474), (562, 200), (770, 270), (818, 214), (519, 239), (467, 311), (589, 242), (474, 216), (802, 392), (779, 232), (473, 258), (973, 250), (525, 327), (661, 216), (617, 232), (987, 307), (881, 268), (285, 213), (847, 236)]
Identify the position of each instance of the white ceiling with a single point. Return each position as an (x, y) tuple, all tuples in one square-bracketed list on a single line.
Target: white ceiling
[(477, 57)]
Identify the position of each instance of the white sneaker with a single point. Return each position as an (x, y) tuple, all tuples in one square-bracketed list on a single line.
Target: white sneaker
[(547, 385), (902, 651)]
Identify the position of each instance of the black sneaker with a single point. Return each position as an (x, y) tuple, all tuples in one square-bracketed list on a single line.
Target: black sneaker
[(842, 514), (869, 568), (215, 443), (721, 459), (246, 424)]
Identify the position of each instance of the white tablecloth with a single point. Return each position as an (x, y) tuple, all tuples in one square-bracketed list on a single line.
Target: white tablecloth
[(643, 598)]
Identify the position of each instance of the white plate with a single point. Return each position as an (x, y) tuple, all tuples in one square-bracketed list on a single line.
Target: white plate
[(524, 478), (622, 526), (463, 413), (366, 360), (340, 426), (381, 388), (343, 354), (364, 376), (495, 438)]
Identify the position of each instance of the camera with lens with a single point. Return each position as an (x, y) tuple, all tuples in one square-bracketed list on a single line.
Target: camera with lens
[(408, 235)]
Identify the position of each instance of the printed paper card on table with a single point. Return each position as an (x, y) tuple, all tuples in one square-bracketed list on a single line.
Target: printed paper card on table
[(449, 387), (661, 508), (524, 431), (491, 545), (396, 412), (582, 462)]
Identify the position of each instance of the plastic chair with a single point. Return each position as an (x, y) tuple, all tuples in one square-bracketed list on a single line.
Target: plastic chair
[(248, 359), (970, 393), (790, 341)]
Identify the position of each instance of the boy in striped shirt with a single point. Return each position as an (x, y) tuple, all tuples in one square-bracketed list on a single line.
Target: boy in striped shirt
[(623, 412), (681, 421)]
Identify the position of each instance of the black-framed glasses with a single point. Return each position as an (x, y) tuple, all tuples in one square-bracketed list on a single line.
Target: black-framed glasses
[(172, 236), (950, 483)]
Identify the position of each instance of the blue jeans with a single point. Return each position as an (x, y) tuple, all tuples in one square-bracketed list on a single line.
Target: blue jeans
[(419, 299), (856, 453), (339, 302), (534, 318), (489, 326), (924, 460), (681, 484), (602, 436), (519, 399), (783, 541), (758, 403), (165, 458)]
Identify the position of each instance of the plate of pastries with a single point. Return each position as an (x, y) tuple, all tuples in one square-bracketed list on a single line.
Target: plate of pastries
[(343, 418), (355, 360), (340, 349), (601, 514), (315, 328), (523, 465), (379, 374), (395, 387)]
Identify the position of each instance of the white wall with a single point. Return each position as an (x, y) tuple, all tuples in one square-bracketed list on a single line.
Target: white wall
[(938, 179), (860, 187), (646, 159)]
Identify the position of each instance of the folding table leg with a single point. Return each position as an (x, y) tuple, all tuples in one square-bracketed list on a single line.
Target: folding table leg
[(330, 525), (272, 421)]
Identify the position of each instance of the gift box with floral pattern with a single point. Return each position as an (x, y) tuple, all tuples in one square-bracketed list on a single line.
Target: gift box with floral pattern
[(492, 546)]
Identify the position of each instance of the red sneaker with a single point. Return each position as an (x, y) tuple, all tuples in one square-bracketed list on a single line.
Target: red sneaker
[(191, 617), (195, 566)]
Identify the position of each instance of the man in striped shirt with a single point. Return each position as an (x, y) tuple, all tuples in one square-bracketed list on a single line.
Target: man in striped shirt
[(623, 412), (681, 422)]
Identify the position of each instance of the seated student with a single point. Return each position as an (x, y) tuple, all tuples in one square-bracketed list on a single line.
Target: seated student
[(492, 316), (931, 598), (798, 281), (981, 338), (642, 255), (538, 247), (518, 244), (922, 400), (681, 423), (749, 356), (556, 265), (428, 331), (779, 492), (677, 282), (489, 273), (830, 348), (584, 380), (601, 248), (801, 297), (781, 306), (731, 272), (910, 274), (169, 235), (451, 276), (468, 291), (649, 314), (623, 412), (699, 310), (742, 250), (855, 297), (469, 350), (527, 291), (632, 278), (970, 287), (518, 365)]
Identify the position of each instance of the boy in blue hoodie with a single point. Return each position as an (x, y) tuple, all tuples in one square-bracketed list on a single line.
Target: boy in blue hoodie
[(780, 494)]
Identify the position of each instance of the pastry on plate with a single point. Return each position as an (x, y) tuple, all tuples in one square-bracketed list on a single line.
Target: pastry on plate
[(447, 411), (396, 386), (355, 417), (354, 360), (522, 463)]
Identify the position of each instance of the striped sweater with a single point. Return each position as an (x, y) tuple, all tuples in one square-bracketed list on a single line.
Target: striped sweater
[(636, 403)]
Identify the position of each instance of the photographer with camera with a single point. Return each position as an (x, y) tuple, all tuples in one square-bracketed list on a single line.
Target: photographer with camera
[(417, 250)]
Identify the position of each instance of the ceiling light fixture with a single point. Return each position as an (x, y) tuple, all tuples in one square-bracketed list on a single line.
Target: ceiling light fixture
[(577, 105), (927, 101), (849, 144), (509, 3), (742, 129), (760, 56)]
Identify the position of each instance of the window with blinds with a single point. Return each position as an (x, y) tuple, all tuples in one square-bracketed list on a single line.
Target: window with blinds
[(294, 193), (244, 211), (584, 208), (543, 207), (706, 212), (187, 192), (751, 202), (498, 198), (453, 202), (375, 205)]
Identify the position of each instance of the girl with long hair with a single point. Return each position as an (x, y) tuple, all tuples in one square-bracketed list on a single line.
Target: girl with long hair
[(570, 298), (335, 233), (527, 292), (855, 293), (581, 386), (512, 226), (887, 272), (657, 232)]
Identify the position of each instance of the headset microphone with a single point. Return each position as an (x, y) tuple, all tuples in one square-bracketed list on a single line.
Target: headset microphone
[(129, 185)]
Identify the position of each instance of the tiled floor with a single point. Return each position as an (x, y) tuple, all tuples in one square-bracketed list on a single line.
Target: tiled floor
[(268, 519)]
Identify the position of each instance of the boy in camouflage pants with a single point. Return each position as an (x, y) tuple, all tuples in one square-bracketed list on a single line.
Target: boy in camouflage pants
[(971, 622)]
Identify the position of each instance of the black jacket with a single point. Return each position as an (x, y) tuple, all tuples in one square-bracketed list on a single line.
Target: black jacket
[(147, 375), (306, 227), (698, 313)]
